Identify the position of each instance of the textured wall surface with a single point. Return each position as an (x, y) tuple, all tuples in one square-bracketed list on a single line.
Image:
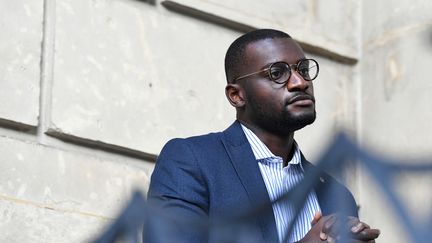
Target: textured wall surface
[(91, 90), (395, 74), (148, 75), (20, 48), (396, 105), (52, 195), (332, 26)]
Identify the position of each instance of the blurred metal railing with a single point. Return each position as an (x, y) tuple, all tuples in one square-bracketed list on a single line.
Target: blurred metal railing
[(338, 156)]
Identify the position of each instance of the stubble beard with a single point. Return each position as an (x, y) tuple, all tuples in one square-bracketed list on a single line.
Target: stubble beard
[(281, 123)]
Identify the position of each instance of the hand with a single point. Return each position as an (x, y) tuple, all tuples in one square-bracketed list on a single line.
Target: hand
[(360, 231), (333, 227)]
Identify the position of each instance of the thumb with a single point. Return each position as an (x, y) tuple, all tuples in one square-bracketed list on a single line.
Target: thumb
[(316, 218)]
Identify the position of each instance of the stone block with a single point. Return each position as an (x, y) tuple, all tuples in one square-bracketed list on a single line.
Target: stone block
[(376, 209), (333, 25), (402, 18), (136, 75), (395, 105), (21, 23), (397, 95), (69, 182), (20, 222)]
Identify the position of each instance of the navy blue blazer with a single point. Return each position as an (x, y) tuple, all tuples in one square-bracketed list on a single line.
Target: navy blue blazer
[(216, 176)]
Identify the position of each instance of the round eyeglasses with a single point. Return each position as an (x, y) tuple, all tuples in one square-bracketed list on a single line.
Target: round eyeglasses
[(280, 72)]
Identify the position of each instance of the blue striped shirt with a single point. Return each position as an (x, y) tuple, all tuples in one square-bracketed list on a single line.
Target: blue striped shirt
[(279, 180)]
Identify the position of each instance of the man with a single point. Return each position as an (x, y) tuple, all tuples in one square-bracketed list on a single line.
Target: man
[(232, 180)]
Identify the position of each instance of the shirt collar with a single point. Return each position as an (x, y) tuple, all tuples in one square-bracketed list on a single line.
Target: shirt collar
[(262, 152)]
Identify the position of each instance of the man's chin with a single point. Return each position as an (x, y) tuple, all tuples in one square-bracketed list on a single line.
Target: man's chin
[(290, 126), (299, 122), (309, 119)]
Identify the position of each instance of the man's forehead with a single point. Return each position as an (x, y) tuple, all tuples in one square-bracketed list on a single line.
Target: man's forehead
[(273, 50)]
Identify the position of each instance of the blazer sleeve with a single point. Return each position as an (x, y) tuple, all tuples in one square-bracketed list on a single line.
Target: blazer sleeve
[(177, 197), (334, 197)]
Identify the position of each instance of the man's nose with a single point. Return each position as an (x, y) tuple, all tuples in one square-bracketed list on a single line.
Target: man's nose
[(297, 83)]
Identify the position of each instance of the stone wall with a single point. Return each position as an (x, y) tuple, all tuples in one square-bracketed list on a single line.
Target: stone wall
[(90, 90), (396, 100)]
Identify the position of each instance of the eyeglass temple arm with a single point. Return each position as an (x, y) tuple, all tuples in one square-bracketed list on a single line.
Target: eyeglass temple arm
[(250, 74)]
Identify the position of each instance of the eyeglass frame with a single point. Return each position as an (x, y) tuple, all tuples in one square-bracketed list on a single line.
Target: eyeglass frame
[(290, 66)]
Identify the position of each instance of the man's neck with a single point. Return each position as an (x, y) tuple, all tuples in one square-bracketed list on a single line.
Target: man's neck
[(279, 145)]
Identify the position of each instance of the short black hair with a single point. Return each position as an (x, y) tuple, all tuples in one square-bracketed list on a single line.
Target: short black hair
[(235, 53)]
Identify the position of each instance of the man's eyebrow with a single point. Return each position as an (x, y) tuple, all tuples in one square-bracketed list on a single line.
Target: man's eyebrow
[(267, 65), (301, 59)]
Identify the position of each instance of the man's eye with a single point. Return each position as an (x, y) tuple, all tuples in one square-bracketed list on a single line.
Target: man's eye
[(276, 73), (303, 70)]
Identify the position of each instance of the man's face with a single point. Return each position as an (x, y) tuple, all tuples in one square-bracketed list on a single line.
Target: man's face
[(276, 108)]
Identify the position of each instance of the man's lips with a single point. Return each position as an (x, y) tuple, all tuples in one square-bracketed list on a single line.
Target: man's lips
[(302, 99)]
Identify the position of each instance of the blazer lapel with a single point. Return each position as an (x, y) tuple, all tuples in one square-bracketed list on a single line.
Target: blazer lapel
[(332, 196), (247, 169)]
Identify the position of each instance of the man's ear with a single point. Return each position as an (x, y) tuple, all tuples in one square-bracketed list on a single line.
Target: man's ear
[(235, 95)]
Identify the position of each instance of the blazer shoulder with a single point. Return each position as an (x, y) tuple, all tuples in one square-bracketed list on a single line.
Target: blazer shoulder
[(195, 140), (179, 146)]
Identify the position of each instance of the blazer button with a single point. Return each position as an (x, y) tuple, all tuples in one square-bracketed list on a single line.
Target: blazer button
[(322, 179)]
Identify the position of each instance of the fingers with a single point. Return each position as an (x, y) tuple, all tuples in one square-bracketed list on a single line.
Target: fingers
[(338, 228), (331, 240), (316, 218), (337, 239), (335, 228), (355, 225), (329, 224), (323, 236), (358, 227), (367, 234), (360, 241), (326, 228), (361, 231), (331, 228)]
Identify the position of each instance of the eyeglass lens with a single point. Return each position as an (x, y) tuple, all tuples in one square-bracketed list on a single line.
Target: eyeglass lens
[(280, 72)]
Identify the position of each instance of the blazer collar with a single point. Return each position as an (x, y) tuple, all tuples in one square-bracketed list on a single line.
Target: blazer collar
[(246, 167)]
